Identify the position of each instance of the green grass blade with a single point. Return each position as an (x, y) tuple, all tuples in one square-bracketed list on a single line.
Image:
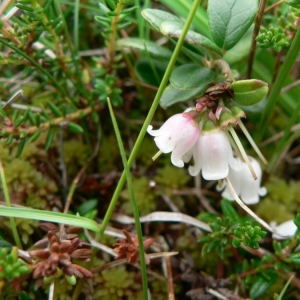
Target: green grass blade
[(8, 203), (133, 202), (278, 84), (48, 216), (76, 25)]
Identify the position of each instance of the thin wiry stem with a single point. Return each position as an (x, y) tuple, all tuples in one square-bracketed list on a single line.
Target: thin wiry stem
[(246, 208), (51, 291), (255, 33), (251, 141), (242, 151)]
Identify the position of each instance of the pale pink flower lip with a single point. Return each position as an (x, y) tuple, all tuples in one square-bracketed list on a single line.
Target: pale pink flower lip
[(213, 154), (244, 184), (177, 135)]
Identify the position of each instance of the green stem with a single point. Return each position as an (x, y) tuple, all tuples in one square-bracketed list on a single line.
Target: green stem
[(140, 19), (114, 27), (133, 202), (76, 24), (148, 118), (74, 53), (8, 203), (279, 82)]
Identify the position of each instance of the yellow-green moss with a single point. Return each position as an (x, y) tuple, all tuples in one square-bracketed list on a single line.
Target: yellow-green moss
[(282, 195), (76, 154), (145, 197), (117, 283)]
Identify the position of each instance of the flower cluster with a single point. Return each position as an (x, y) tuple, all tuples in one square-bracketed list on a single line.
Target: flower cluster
[(202, 134)]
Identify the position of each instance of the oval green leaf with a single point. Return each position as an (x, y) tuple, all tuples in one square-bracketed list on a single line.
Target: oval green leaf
[(262, 283), (152, 71), (229, 20), (174, 29), (190, 76), (142, 45), (249, 92), (155, 17), (172, 95), (229, 211)]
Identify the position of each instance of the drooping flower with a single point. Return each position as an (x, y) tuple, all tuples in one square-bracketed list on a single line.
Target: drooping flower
[(177, 135), (284, 230), (212, 153), (244, 184)]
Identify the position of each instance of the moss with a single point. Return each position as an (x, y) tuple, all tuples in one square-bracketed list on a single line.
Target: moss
[(24, 181), (76, 155), (62, 289), (172, 178), (145, 197), (25, 227), (117, 283), (159, 289), (282, 195), (108, 154)]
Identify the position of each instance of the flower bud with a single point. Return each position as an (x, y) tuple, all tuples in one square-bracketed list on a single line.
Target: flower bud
[(249, 92)]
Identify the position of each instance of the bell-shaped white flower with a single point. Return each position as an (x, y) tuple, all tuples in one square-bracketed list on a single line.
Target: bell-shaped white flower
[(244, 184), (177, 135), (212, 153), (284, 230)]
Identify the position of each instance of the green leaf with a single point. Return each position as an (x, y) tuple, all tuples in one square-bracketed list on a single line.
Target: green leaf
[(295, 258), (75, 127), (151, 72), (55, 110), (34, 137), (229, 211), (172, 95), (297, 221), (174, 29), (87, 206), (205, 239), (262, 283), (229, 20), (6, 245), (172, 26), (249, 92), (236, 242), (293, 3), (241, 50), (48, 216), (21, 147), (50, 138), (151, 47), (155, 17), (190, 76)]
